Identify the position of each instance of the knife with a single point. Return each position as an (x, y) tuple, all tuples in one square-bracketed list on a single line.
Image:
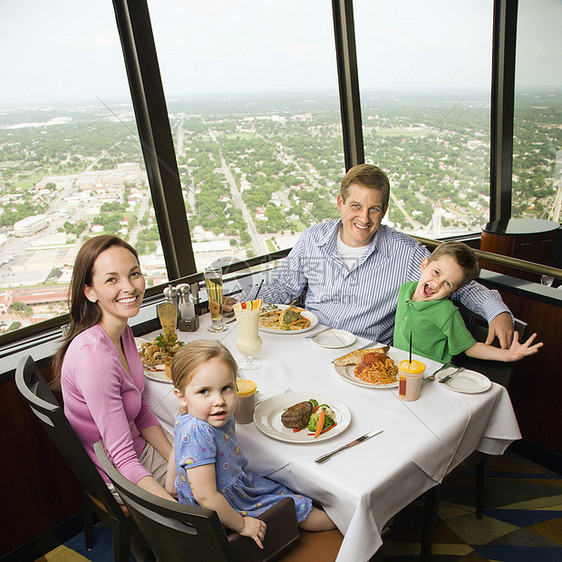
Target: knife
[(324, 458), (449, 377)]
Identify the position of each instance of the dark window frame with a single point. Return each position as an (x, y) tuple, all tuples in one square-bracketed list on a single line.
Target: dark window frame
[(502, 107), (147, 93)]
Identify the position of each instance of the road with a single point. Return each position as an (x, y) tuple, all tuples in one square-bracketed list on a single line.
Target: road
[(259, 245)]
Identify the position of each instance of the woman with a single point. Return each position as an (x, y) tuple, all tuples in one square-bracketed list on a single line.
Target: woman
[(99, 368)]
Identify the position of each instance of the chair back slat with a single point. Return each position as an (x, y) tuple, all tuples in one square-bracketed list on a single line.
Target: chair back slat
[(44, 405), (174, 532)]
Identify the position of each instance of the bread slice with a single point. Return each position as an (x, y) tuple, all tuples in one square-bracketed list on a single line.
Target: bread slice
[(356, 356)]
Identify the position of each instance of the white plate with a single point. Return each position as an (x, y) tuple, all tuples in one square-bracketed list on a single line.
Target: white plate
[(348, 373), (156, 373), (468, 382), (267, 417), (333, 338), (312, 317)]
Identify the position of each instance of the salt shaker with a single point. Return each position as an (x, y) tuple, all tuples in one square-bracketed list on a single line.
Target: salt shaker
[(171, 294), (188, 322)]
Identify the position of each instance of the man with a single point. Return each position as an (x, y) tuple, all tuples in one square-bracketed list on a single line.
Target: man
[(353, 267)]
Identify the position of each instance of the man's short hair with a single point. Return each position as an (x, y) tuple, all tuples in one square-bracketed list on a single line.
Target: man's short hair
[(464, 255), (368, 176)]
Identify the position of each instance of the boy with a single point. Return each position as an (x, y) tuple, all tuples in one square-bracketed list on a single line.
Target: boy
[(438, 329)]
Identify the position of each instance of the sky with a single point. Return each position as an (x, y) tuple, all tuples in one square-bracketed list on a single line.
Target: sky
[(64, 50)]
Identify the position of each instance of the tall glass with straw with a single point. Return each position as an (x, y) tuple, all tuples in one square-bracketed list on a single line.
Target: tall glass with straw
[(410, 374), (213, 283)]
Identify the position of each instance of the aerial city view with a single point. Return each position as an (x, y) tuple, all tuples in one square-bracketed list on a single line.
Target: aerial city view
[(254, 174)]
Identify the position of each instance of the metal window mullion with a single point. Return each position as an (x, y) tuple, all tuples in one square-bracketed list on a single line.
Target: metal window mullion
[(145, 83), (502, 108), (348, 80)]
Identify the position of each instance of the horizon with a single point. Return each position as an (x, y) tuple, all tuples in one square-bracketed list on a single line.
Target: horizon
[(385, 97)]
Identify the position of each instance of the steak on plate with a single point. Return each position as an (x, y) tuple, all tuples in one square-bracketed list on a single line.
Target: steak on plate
[(296, 417)]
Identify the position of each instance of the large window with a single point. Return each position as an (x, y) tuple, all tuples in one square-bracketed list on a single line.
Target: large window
[(424, 74), (252, 93), (70, 160), (537, 134)]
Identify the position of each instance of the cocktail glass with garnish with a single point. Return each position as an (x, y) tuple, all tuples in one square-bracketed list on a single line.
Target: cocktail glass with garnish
[(248, 342)]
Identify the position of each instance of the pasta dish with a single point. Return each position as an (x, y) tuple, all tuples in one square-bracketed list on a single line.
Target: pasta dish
[(160, 350), (376, 368), (287, 319)]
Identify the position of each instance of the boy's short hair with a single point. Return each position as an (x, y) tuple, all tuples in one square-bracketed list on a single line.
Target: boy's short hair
[(464, 255)]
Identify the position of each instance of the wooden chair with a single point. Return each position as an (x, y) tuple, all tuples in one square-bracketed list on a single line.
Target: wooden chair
[(497, 371), (98, 500), (177, 532), (323, 545)]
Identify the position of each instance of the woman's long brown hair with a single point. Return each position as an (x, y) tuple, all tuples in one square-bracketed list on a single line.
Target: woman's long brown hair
[(84, 313)]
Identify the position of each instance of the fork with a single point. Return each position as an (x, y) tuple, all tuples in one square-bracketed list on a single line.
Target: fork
[(431, 377), (454, 373)]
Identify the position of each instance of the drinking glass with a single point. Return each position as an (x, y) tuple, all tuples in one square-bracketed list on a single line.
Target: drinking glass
[(547, 280), (248, 342), (213, 282)]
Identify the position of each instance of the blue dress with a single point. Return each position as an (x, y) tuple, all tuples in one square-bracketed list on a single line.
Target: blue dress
[(198, 443)]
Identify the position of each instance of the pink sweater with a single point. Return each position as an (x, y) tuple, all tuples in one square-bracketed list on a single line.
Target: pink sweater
[(102, 401)]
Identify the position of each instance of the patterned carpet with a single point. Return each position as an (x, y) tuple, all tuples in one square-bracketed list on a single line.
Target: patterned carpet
[(522, 522)]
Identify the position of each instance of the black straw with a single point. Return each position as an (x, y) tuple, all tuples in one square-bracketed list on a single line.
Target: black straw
[(410, 361), (259, 289)]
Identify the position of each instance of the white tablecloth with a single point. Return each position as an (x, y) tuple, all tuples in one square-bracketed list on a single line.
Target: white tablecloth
[(363, 487)]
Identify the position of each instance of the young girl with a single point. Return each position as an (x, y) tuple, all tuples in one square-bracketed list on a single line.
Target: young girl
[(209, 463)]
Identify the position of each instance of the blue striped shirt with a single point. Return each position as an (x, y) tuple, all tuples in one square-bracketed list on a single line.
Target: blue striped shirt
[(361, 300)]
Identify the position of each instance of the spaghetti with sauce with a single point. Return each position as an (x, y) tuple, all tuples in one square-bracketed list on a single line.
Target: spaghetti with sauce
[(376, 368)]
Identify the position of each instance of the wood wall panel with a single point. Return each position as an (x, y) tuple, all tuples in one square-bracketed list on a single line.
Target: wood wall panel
[(38, 490), (536, 386)]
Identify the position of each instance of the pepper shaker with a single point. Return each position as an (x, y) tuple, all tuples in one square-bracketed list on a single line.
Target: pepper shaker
[(188, 322)]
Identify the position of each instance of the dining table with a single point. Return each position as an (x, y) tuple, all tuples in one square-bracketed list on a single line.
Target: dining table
[(362, 487)]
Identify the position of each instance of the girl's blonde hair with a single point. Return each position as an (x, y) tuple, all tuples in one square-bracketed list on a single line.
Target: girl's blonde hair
[(192, 355)]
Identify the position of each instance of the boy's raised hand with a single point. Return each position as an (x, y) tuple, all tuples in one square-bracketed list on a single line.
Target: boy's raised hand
[(519, 350)]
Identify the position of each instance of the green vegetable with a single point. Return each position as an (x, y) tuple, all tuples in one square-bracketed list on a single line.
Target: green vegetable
[(168, 343), (313, 422), (290, 316), (329, 420), (268, 307), (327, 409)]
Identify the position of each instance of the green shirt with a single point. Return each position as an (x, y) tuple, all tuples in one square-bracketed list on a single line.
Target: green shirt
[(438, 329)]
